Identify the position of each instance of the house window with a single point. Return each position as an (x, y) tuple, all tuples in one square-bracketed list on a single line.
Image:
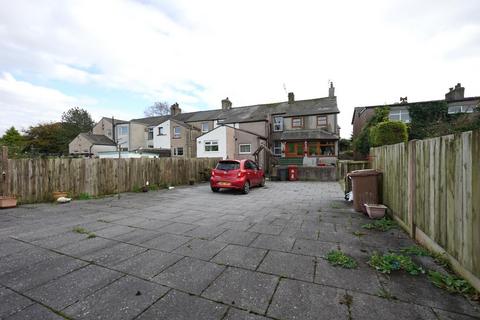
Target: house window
[(122, 131), (211, 146), (150, 134), (205, 127), (160, 131), (277, 123), (322, 122), (399, 115), (460, 109), (244, 148), (176, 132), (297, 122), (277, 148), (178, 151), (321, 148)]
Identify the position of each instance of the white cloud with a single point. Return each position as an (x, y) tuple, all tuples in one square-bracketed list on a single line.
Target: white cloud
[(375, 51)]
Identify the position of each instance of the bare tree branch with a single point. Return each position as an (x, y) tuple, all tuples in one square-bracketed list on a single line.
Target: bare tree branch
[(157, 109)]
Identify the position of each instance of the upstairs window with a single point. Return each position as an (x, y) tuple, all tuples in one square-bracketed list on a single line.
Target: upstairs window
[(244, 148), (277, 148), (160, 131), (460, 109), (150, 134), (277, 123), (109, 133), (205, 127), (322, 122), (297, 122), (211, 146), (176, 132), (399, 115), (122, 131)]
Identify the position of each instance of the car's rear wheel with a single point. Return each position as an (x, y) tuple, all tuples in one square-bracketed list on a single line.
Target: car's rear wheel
[(215, 189), (262, 183), (246, 187)]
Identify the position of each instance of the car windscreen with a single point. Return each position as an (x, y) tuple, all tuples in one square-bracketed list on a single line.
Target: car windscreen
[(228, 165)]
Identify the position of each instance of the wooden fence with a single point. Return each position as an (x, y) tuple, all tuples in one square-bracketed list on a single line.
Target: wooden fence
[(34, 180), (432, 187), (346, 166)]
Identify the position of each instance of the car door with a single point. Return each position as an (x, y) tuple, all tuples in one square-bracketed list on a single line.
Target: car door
[(249, 168), (257, 173)]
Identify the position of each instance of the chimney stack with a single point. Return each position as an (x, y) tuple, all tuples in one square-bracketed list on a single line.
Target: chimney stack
[(175, 109), (226, 104), (291, 98), (456, 93), (331, 91)]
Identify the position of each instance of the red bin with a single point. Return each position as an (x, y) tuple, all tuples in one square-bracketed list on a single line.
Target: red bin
[(292, 173)]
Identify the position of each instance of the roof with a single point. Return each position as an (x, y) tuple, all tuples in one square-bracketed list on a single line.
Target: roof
[(467, 99), (98, 139), (152, 121), (117, 121), (308, 135)]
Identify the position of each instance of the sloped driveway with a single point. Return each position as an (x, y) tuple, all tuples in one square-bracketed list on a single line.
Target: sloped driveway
[(188, 253)]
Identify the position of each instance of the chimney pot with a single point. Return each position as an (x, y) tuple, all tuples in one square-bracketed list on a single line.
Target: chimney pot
[(291, 98), (331, 91), (175, 109)]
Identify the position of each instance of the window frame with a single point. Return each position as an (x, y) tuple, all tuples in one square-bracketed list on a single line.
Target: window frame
[(463, 109), (175, 135), (208, 127), (122, 130), (275, 123), (210, 144), (279, 147), (240, 145), (160, 131), (322, 125), (150, 133), (403, 115), (176, 153), (301, 122)]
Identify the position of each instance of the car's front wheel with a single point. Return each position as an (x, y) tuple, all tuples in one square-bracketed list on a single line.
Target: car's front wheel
[(215, 189), (246, 187)]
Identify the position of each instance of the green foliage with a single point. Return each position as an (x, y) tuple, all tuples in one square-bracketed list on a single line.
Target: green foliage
[(383, 224), (76, 120), (415, 251), (361, 145), (388, 132), (344, 145), (14, 141), (425, 118), (450, 283), (81, 230), (358, 233), (385, 294), (84, 196), (47, 139), (389, 262), (338, 258), (136, 189)]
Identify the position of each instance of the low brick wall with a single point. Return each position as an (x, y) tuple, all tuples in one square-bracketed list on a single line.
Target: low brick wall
[(327, 173)]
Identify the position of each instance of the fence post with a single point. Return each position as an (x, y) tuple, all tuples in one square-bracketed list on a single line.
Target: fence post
[(411, 168), (4, 171)]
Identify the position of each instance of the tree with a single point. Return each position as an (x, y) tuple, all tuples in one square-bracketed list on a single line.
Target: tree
[(388, 132), (361, 144), (427, 119), (14, 141), (157, 109), (47, 139), (77, 120)]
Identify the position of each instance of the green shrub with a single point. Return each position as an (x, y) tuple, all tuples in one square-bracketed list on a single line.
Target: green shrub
[(388, 132), (392, 262), (84, 196), (338, 258)]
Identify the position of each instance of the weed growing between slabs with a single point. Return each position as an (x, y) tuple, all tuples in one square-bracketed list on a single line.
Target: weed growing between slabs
[(338, 258), (84, 231)]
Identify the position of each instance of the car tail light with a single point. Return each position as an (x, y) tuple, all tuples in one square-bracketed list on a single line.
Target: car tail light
[(240, 174)]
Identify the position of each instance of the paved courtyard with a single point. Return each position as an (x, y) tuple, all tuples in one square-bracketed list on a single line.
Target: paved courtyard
[(188, 253)]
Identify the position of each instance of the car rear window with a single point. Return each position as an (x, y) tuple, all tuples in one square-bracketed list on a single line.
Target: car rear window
[(228, 165)]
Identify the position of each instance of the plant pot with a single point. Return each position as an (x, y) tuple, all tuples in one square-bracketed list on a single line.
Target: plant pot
[(58, 194), (7, 202), (375, 211)]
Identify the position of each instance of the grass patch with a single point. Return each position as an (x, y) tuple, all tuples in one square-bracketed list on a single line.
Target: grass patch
[(385, 294), (153, 187), (389, 262), (415, 251), (358, 233), (81, 230), (338, 258), (450, 283), (84, 196), (136, 189), (383, 224)]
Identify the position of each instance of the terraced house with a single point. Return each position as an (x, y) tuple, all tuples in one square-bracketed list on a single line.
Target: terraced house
[(304, 132)]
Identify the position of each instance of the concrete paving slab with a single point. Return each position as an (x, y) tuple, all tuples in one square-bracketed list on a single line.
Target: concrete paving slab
[(244, 289), (239, 256), (237, 237), (236, 314), (289, 265), (35, 312), (177, 305), (123, 299), (166, 242), (278, 243), (148, 264), (12, 302), (189, 274), (66, 290), (201, 249)]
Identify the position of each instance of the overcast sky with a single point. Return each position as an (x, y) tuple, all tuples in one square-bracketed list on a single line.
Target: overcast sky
[(115, 58)]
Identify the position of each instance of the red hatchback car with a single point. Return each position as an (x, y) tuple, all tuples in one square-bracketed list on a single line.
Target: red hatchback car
[(236, 174)]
